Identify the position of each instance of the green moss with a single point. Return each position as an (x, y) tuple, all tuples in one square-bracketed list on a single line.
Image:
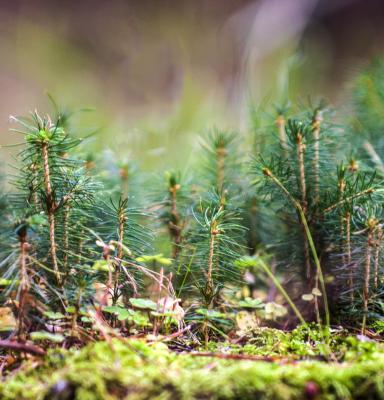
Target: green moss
[(301, 343), (135, 370)]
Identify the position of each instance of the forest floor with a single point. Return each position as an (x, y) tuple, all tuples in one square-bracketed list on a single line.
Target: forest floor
[(266, 364)]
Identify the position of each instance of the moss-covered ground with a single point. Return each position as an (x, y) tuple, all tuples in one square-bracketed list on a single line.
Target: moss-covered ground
[(297, 368)]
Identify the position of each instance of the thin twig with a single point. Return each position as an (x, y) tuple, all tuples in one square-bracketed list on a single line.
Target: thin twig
[(280, 123), (348, 199), (379, 237), (367, 275), (51, 205), (233, 356), (22, 347), (316, 123)]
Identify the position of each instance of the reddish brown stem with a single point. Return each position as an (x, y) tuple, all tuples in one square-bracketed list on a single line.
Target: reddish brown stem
[(367, 275), (175, 227), (234, 356), (349, 254), (51, 206), (66, 238), (24, 283), (303, 191), (23, 347), (316, 158), (122, 220), (220, 158), (379, 237), (210, 260), (280, 123)]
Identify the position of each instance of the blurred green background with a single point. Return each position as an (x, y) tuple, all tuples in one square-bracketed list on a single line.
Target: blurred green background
[(159, 72)]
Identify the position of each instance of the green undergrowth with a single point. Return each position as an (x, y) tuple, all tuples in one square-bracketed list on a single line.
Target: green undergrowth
[(302, 343), (137, 370)]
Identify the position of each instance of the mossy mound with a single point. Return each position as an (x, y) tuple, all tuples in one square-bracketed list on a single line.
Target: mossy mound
[(136, 370)]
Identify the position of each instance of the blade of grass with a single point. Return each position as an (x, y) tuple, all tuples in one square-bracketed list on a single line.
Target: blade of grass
[(282, 291)]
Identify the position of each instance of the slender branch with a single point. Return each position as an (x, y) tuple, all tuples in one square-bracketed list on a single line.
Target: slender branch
[(47, 176), (300, 160), (108, 286), (367, 275), (23, 347), (317, 119), (33, 185), (122, 219), (66, 237), (51, 205), (159, 290), (173, 335), (51, 221), (348, 199), (74, 330), (349, 251), (66, 198), (341, 187), (316, 159), (349, 254), (303, 191), (233, 356), (280, 122), (81, 245), (379, 237), (174, 224), (24, 282), (220, 159), (210, 259)]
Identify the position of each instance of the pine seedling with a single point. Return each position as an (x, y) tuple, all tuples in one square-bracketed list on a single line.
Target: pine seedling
[(270, 138), (175, 223), (124, 173), (221, 176), (173, 212), (303, 219), (80, 294), (17, 265), (126, 240), (370, 218), (307, 177), (24, 280), (354, 189), (123, 177), (297, 133), (293, 177), (221, 164), (215, 249), (280, 122), (120, 177), (304, 169), (53, 180), (268, 128), (214, 243), (260, 135), (345, 212)]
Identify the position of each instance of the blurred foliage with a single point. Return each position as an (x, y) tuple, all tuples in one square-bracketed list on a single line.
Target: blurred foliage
[(158, 73)]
